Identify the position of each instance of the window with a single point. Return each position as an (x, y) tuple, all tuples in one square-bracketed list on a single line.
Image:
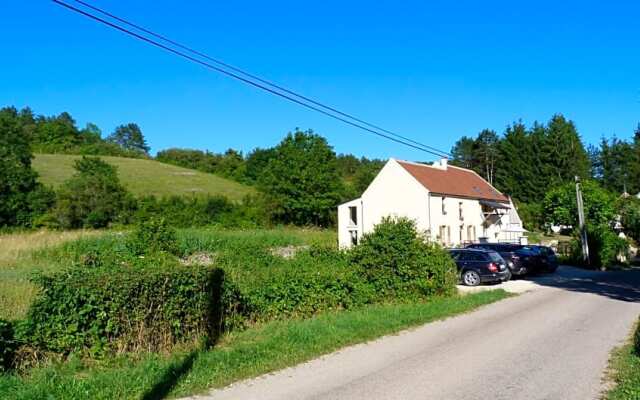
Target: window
[(443, 234), (461, 233), (444, 208), (471, 233), (460, 211), (354, 237), (353, 215)]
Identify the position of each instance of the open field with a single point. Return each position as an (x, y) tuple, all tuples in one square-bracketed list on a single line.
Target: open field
[(144, 177), (17, 264)]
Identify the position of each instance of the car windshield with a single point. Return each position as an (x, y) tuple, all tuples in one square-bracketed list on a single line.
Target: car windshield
[(495, 256)]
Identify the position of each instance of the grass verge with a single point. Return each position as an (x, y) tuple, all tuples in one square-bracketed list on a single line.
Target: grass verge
[(625, 373), (246, 354)]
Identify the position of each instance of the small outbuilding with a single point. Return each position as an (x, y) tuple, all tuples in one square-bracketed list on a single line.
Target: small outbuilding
[(450, 205)]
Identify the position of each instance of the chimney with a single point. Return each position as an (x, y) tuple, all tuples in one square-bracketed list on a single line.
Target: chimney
[(442, 164)]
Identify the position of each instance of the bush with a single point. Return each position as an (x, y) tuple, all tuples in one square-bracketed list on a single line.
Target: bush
[(7, 345), (195, 211), (92, 198), (604, 246), (401, 264), (314, 281), (153, 236), (120, 309)]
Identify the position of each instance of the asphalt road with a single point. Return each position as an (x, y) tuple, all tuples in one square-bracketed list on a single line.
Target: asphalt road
[(552, 342)]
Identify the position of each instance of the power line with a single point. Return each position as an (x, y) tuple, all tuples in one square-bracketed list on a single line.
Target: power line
[(252, 76), (402, 140)]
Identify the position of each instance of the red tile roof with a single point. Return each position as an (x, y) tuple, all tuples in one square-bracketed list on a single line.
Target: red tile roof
[(454, 181)]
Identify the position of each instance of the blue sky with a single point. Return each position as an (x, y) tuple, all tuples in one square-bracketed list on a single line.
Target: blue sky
[(433, 71)]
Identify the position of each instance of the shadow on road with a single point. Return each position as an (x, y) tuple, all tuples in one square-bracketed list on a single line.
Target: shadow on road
[(617, 285)]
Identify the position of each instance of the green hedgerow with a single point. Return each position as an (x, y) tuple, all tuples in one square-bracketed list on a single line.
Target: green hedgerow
[(120, 309)]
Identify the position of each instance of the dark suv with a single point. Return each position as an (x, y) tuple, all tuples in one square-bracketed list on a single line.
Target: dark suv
[(548, 258), (478, 266), (520, 260)]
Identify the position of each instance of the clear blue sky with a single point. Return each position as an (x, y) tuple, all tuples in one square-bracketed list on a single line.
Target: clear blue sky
[(433, 71)]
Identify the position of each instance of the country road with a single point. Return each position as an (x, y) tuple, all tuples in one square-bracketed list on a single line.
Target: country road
[(552, 342)]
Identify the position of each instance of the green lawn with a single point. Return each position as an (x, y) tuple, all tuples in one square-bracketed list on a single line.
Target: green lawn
[(250, 353), (144, 177)]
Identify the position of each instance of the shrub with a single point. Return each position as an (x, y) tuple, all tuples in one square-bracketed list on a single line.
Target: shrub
[(314, 281), (92, 198), (121, 309), (195, 211), (399, 263), (7, 345), (153, 236), (604, 246)]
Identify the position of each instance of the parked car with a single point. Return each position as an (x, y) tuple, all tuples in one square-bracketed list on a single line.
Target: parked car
[(519, 259), (548, 258), (479, 266)]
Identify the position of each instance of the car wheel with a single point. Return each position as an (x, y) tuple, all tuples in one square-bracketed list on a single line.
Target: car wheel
[(470, 278)]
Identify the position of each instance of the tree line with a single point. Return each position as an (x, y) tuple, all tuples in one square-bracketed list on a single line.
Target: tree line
[(301, 180)]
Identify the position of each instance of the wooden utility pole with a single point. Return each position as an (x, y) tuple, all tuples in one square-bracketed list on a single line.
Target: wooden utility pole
[(583, 229)]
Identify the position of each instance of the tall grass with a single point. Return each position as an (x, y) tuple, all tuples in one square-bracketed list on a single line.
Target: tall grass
[(17, 264)]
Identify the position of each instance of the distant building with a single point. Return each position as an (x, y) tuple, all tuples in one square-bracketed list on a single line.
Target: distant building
[(450, 205)]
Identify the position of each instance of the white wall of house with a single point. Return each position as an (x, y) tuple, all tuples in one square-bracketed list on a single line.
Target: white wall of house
[(394, 192), (448, 220)]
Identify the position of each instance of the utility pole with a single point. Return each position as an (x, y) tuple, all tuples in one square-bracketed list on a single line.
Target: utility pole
[(583, 229)]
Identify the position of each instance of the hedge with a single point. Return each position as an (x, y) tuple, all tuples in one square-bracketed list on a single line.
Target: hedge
[(120, 309), (7, 345)]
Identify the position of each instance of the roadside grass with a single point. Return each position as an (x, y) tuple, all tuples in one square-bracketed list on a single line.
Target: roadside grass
[(16, 266), (22, 254), (144, 177), (624, 371), (255, 351)]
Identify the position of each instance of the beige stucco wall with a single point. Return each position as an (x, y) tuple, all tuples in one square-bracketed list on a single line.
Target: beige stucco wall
[(394, 192)]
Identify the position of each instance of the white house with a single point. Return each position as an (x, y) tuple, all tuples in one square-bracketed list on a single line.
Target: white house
[(450, 205)]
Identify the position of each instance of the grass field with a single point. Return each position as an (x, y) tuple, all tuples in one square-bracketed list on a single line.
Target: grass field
[(246, 354), (144, 177), (17, 264)]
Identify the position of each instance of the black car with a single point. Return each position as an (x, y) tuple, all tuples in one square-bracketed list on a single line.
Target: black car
[(547, 257), (479, 266), (519, 259)]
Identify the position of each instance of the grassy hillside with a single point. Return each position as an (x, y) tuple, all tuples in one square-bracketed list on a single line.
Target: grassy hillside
[(143, 177)]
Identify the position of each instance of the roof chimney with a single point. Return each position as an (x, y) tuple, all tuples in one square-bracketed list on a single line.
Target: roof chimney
[(442, 164)]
